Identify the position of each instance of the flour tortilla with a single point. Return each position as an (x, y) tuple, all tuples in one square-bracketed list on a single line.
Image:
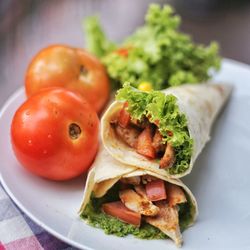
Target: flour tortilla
[(106, 171), (200, 103)]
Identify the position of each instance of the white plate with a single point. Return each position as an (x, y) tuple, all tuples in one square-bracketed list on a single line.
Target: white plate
[(220, 181)]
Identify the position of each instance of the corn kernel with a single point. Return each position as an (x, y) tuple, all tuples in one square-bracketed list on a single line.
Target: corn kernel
[(145, 86)]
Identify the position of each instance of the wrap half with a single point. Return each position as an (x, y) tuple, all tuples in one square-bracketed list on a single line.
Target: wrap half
[(124, 200), (163, 132)]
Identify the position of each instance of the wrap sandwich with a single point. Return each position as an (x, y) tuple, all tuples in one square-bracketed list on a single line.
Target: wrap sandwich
[(162, 131), (122, 200)]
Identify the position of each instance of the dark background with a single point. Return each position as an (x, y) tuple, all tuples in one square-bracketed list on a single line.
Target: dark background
[(26, 26)]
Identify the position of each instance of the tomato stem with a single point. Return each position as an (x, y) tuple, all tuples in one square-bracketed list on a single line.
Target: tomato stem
[(84, 75), (83, 70), (74, 131)]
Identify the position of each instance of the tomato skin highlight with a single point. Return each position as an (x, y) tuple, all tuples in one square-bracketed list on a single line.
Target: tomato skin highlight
[(71, 68), (54, 134)]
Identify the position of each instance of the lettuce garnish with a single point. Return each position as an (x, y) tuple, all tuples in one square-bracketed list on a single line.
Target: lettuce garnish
[(96, 40), (157, 52), (157, 106)]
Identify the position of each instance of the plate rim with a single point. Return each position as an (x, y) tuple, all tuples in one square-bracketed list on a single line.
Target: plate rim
[(19, 203)]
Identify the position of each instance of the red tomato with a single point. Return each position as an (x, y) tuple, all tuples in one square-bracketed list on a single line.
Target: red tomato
[(144, 144), (123, 51), (117, 209), (71, 68), (124, 116), (55, 134)]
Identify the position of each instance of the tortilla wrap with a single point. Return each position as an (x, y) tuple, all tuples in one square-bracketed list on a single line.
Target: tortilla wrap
[(200, 104), (106, 171)]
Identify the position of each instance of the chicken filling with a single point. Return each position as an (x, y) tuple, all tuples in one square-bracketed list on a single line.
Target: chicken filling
[(153, 124), (144, 137), (145, 206)]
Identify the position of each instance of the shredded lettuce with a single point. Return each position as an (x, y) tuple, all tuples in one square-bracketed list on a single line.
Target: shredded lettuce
[(157, 52), (162, 108)]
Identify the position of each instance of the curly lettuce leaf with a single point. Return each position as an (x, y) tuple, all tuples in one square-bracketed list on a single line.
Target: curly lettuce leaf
[(96, 40), (164, 109), (158, 53), (96, 218)]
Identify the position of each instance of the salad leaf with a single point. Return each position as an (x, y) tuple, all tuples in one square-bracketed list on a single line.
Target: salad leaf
[(157, 53), (96, 40), (162, 108)]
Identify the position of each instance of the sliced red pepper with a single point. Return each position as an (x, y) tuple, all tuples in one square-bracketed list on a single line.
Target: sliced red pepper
[(124, 116), (118, 210), (144, 143), (156, 190)]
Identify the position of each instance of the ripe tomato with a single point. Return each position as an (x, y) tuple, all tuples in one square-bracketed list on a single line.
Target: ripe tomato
[(55, 134), (71, 68)]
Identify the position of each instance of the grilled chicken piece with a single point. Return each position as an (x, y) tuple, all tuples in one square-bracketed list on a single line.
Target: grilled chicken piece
[(167, 221), (168, 158), (138, 203), (175, 195), (141, 191), (128, 135), (157, 143), (135, 180)]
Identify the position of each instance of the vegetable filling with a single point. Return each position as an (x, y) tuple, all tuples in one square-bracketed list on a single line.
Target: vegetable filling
[(144, 206), (152, 124)]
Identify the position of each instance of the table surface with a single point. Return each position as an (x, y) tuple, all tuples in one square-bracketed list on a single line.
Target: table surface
[(18, 231), (27, 26)]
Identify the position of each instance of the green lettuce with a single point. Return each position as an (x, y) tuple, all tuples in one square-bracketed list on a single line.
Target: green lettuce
[(157, 52), (96, 40), (162, 108)]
